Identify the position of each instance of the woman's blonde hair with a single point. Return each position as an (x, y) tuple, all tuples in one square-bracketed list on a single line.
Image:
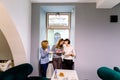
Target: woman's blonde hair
[(58, 44), (44, 44)]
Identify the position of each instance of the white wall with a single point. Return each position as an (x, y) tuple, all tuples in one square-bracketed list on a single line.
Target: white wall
[(97, 40), (35, 29), (20, 12), (42, 25)]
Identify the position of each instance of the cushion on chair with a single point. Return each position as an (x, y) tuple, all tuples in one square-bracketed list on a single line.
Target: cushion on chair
[(108, 74), (6, 65)]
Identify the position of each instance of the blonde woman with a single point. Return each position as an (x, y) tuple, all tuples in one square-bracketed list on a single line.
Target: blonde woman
[(44, 52)]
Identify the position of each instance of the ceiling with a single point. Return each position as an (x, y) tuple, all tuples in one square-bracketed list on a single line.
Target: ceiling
[(99, 3)]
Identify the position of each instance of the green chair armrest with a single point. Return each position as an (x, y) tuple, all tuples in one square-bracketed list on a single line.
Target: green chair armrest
[(108, 74)]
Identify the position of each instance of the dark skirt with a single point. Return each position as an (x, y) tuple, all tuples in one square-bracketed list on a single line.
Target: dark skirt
[(57, 63)]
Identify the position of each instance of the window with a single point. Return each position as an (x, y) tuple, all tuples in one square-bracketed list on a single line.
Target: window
[(58, 26)]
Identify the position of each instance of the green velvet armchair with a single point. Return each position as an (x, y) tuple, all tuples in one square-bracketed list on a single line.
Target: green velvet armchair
[(20, 72), (106, 73)]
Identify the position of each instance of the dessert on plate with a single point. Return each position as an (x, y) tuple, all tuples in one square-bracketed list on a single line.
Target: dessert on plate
[(61, 74)]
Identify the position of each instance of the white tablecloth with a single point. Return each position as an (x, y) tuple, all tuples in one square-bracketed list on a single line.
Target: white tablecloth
[(68, 75)]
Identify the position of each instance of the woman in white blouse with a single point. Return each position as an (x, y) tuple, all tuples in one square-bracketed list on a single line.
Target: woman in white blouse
[(69, 55)]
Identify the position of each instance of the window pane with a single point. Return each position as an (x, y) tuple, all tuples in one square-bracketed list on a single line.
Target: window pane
[(58, 20), (55, 34)]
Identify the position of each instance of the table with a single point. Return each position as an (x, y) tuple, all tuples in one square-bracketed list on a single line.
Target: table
[(68, 75)]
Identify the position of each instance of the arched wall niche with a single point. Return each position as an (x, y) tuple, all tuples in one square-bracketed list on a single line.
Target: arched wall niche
[(5, 52), (12, 36)]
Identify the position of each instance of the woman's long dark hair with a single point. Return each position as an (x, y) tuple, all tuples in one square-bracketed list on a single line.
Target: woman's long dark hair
[(58, 44)]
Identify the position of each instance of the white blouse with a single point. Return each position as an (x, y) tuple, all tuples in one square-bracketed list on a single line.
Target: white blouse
[(68, 50)]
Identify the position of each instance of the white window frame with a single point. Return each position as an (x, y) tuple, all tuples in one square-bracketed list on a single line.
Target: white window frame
[(60, 13)]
